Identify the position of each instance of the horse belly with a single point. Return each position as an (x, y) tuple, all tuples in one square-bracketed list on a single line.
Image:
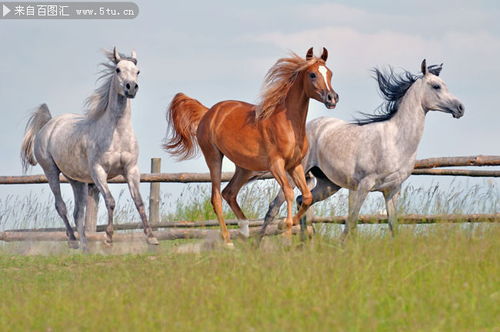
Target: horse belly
[(247, 159)]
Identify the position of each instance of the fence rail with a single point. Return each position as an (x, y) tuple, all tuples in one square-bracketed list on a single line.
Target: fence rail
[(422, 167), (189, 229), (409, 219), (176, 230)]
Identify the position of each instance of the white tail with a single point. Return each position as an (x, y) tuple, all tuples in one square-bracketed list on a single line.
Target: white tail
[(36, 121)]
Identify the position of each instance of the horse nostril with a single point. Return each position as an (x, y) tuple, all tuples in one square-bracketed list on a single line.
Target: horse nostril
[(128, 86), (329, 97), (136, 86), (461, 107), (336, 97)]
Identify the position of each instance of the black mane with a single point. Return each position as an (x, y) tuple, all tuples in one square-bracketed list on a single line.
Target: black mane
[(392, 87)]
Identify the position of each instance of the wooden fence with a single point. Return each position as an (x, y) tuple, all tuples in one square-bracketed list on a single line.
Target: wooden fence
[(431, 166)]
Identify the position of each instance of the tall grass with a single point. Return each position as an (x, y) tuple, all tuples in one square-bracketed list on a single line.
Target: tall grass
[(32, 211)]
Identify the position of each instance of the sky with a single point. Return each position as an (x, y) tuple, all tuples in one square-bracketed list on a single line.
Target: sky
[(219, 50)]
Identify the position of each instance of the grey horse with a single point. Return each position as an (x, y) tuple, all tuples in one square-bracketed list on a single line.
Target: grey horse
[(91, 148), (378, 152)]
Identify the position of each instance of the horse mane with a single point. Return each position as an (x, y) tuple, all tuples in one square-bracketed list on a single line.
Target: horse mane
[(392, 87), (97, 103), (278, 81)]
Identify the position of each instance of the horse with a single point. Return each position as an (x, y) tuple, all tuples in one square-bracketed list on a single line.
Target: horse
[(269, 136), (91, 148), (377, 152)]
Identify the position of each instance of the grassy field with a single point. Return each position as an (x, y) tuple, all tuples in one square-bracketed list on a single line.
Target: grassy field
[(445, 280), (436, 278)]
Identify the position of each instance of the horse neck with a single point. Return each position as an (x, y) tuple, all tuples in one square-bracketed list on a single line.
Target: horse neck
[(118, 112), (297, 105), (407, 125)]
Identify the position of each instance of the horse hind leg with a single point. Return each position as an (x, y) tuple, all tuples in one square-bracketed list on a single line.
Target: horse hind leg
[(356, 199), (52, 173), (80, 191), (391, 197), (230, 193), (213, 157)]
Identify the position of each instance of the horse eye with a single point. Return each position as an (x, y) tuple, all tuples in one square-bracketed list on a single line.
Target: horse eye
[(312, 75), (117, 70), (436, 86)]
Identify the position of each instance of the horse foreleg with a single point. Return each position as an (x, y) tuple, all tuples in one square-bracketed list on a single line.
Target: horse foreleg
[(278, 171), (390, 203), (133, 180), (274, 208), (299, 178), (99, 176), (80, 191), (230, 193), (323, 189)]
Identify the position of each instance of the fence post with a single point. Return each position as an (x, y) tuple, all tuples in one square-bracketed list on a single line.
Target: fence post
[(154, 193), (92, 208)]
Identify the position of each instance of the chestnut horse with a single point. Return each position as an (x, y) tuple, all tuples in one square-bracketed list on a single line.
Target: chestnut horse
[(270, 136)]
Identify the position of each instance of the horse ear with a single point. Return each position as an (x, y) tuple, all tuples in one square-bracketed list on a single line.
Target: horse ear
[(116, 56), (435, 69), (134, 57), (423, 67), (309, 54), (324, 55)]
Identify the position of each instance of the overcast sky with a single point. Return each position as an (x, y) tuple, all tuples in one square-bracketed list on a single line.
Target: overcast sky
[(217, 50)]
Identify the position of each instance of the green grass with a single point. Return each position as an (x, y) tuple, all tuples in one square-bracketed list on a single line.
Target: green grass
[(433, 278), (460, 197), (447, 279)]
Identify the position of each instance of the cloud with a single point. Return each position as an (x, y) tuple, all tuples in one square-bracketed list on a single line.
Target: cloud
[(353, 51), (350, 48)]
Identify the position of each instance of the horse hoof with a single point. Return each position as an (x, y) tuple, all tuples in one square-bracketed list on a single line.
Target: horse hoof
[(228, 245), (152, 241), (73, 244), (244, 231), (287, 241), (244, 235), (281, 225)]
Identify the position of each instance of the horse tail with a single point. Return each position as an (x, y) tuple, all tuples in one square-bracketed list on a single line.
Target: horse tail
[(183, 116), (36, 121)]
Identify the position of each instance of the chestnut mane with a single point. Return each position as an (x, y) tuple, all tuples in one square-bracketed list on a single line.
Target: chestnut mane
[(278, 81)]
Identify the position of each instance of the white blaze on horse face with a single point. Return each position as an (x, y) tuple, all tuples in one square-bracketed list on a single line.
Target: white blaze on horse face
[(323, 71)]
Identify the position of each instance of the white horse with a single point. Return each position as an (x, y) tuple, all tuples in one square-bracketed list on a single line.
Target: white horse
[(377, 153), (91, 148)]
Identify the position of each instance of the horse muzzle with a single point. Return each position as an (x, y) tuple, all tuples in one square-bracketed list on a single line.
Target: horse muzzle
[(130, 95), (457, 109), (331, 99), (131, 89)]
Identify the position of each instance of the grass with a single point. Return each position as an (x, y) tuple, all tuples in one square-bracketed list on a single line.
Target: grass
[(447, 279), (441, 278), (193, 204)]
